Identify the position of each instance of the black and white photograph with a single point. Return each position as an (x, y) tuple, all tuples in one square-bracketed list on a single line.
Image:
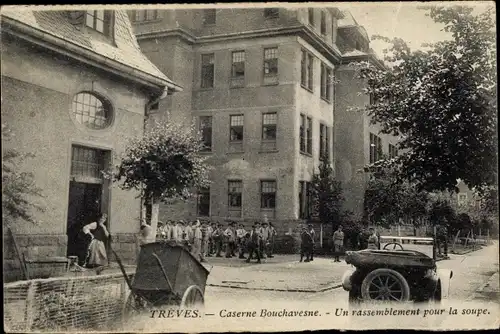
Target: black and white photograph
[(252, 167)]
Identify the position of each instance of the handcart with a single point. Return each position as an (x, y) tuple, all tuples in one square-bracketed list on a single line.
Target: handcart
[(167, 275)]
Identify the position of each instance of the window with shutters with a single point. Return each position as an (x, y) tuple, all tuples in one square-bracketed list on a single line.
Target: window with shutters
[(393, 151)]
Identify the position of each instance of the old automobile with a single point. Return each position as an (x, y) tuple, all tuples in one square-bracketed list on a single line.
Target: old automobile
[(394, 274)]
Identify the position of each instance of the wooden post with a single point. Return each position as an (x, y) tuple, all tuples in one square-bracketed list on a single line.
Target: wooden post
[(30, 305), (22, 264)]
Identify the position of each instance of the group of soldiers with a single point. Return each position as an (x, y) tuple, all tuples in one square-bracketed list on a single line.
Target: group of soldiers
[(206, 239), (367, 239)]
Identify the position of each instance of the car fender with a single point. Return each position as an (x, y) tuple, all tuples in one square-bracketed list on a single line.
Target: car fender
[(445, 276), (346, 279)]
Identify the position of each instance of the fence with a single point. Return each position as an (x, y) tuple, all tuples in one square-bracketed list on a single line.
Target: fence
[(64, 303)]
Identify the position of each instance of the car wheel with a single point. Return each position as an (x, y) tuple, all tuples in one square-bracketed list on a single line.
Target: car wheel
[(385, 285)]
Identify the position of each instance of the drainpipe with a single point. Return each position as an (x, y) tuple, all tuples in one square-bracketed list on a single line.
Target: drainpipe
[(147, 109)]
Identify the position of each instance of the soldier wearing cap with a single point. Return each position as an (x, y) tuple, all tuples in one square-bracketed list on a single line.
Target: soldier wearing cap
[(313, 237), (217, 236), (338, 242), (254, 243)]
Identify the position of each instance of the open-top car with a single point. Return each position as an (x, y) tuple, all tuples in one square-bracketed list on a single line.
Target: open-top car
[(395, 274)]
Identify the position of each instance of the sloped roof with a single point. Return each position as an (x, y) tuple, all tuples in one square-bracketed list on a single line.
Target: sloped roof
[(125, 49), (347, 20)]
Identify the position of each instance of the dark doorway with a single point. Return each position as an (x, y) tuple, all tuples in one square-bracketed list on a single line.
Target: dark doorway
[(83, 206), (88, 195)]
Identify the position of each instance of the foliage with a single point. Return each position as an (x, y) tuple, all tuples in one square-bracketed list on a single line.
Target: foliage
[(387, 200), (326, 194), (441, 212), (164, 164), (440, 102), (351, 228), (18, 188)]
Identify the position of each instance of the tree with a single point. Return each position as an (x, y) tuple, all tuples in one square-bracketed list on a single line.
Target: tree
[(441, 210), (441, 102), (163, 165), (387, 201), (326, 195), (18, 188)]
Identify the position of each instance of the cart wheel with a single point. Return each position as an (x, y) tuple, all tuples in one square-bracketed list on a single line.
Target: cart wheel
[(135, 305), (394, 246), (193, 297), (385, 285)]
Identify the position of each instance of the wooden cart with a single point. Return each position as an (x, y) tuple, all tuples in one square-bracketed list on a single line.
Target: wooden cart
[(167, 275)]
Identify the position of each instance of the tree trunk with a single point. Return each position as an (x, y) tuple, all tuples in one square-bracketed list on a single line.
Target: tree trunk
[(155, 210)]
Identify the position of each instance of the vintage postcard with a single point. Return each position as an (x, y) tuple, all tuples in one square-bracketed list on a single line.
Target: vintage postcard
[(250, 167)]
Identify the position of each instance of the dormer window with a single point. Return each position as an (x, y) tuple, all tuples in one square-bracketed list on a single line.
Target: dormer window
[(98, 20)]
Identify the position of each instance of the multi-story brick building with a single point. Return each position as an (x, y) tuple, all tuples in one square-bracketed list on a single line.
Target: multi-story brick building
[(258, 82), (75, 86)]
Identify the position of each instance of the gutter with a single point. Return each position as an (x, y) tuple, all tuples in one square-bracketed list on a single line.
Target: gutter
[(84, 55)]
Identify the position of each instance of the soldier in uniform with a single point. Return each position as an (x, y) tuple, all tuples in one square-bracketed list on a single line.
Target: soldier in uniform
[(230, 238), (442, 238), (197, 242), (306, 245), (253, 243), (373, 239), (264, 233), (338, 243), (272, 240), (240, 241), (313, 237), (217, 237), (211, 243)]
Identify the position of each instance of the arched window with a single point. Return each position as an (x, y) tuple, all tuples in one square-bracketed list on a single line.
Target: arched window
[(91, 110)]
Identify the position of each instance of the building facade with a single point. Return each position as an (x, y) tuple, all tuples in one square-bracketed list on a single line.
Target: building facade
[(259, 85), (75, 87), (357, 141)]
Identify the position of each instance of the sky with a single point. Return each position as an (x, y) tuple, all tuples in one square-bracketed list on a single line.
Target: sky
[(401, 19)]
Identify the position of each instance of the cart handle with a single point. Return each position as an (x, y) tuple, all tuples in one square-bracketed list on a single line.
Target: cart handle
[(164, 272), (122, 269)]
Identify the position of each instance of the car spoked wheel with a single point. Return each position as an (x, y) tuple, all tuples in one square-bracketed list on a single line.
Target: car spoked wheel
[(385, 285)]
